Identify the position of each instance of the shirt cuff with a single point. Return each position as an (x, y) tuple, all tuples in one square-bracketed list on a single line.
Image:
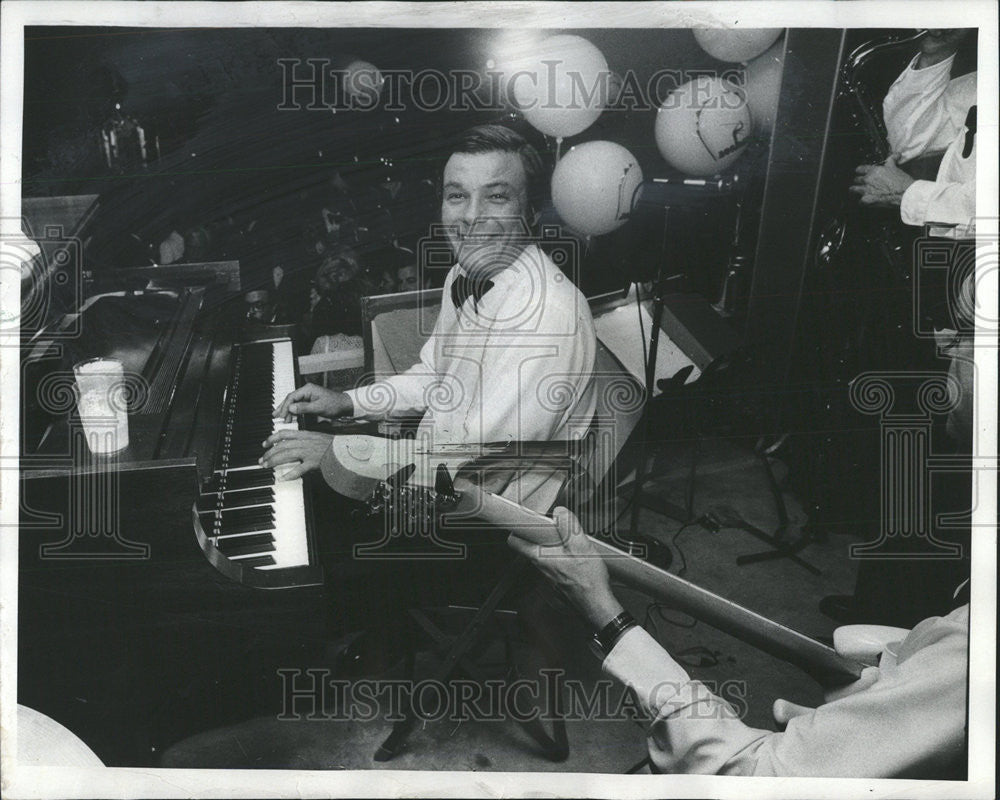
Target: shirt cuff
[(370, 401), (920, 205), (641, 663), (914, 202)]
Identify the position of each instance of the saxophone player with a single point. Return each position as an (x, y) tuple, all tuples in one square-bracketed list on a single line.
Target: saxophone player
[(928, 112)]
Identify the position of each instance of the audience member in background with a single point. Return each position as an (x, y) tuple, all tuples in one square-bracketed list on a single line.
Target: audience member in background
[(385, 281), (385, 264), (314, 243), (290, 294), (308, 321), (409, 278), (335, 308), (340, 285), (198, 244), (261, 308), (338, 221)]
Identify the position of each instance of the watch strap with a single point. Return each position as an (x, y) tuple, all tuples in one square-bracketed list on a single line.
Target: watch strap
[(608, 636)]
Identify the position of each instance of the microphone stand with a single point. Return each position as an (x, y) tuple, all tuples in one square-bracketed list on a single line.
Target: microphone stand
[(639, 496), (780, 546)]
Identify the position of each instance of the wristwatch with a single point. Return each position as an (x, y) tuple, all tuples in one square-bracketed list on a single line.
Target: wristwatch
[(604, 640)]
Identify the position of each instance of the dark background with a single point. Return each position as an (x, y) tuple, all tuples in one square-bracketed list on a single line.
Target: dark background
[(212, 95)]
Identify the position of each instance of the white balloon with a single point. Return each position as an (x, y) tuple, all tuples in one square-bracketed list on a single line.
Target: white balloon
[(763, 87), (593, 186), (703, 126), (563, 88), (363, 82), (736, 44)]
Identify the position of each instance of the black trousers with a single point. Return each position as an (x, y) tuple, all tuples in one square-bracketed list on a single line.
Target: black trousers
[(895, 588), (374, 574)]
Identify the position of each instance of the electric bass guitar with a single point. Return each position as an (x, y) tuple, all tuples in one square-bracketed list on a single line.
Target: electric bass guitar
[(394, 475)]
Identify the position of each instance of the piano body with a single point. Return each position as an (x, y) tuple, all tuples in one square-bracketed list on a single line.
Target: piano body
[(137, 628)]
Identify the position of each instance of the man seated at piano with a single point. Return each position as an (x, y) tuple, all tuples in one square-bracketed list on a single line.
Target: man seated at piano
[(512, 352)]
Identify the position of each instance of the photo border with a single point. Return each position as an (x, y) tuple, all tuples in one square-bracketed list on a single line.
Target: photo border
[(30, 782)]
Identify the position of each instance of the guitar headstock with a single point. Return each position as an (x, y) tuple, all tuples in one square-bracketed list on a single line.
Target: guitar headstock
[(413, 509)]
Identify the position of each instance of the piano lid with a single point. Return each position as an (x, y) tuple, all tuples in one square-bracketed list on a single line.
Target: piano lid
[(152, 334)]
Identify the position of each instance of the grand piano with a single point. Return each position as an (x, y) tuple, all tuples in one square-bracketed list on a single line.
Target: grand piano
[(161, 588)]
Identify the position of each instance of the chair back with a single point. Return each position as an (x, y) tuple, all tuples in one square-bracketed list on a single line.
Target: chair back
[(396, 326)]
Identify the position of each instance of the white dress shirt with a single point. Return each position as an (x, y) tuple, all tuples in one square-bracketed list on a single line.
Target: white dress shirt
[(516, 366), (909, 723), (925, 113)]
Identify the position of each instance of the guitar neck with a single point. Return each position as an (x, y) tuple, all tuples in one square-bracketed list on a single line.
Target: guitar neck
[(819, 661), (355, 466)]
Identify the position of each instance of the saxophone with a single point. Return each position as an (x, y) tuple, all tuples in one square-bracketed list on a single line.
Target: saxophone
[(865, 113), (858, 292)]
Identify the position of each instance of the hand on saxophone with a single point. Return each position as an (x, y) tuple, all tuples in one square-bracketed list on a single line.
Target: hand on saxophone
[(881, 184)]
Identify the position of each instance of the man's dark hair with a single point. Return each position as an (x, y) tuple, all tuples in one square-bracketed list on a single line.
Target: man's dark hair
[(501, 139)]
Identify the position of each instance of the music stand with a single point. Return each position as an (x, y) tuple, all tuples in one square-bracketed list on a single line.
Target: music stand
[(640, 498), (780, 546)]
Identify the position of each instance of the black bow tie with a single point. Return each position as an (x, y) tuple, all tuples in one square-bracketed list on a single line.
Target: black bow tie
[(464, 287), (970, 132)]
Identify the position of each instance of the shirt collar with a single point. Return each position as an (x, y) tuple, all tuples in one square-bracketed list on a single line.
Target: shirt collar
[(529, 258)]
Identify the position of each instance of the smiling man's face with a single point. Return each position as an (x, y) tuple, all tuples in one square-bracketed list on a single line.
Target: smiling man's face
[(485, 208)]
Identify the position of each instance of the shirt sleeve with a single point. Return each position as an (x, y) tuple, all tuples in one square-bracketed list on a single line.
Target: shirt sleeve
[(405, 393), (948, 203), (921, 115), (908, 724)]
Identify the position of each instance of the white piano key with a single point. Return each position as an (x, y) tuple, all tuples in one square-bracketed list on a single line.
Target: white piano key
[(289, 529)]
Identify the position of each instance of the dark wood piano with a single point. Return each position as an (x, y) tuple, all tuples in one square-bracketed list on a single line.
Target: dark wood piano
[(161, 588)]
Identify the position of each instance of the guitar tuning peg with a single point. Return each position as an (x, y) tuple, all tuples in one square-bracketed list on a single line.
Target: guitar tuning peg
[(443, 484)]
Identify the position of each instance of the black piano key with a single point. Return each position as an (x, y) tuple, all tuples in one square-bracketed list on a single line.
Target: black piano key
[(246, 545), (249, 478), (242, 528), (245, 460), (239, 498), (259, 561), (247, 447), (247, 497), (236, 522), (240, 516)]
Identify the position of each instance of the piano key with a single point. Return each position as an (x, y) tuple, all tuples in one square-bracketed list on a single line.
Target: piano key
[(244, 498), (290, 533), (243, 516), (246, 478), (242, 529), (247, 498), (253, 504), (255, 561), (256, 544)]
